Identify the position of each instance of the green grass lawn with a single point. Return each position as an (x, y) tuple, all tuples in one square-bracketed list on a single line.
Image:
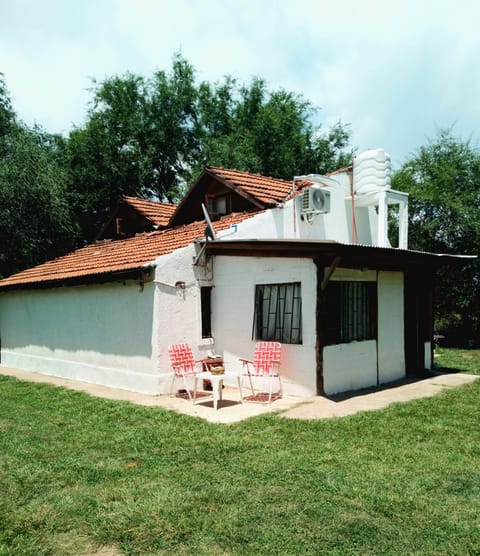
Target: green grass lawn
[(465, 360), (78, 473)]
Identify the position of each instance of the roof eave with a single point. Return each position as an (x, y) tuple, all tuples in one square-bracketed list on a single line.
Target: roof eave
[(142, 274), (237, 189), (352, 256)]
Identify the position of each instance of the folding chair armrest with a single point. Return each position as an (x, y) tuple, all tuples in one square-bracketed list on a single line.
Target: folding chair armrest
[(246, 361)]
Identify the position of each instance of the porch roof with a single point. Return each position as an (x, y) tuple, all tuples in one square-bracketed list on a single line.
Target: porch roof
[(351, 256)]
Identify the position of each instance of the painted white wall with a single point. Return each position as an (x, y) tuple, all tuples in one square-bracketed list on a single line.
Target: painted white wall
[(100, 333), (349, 366), (428, 355), (334, 225), (233, 308), (177, 313), (391, 345), (288, 222)]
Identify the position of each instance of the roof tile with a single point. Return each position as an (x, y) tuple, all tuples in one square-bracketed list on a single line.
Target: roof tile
[(265, 189), (158, 213), (107, 256)]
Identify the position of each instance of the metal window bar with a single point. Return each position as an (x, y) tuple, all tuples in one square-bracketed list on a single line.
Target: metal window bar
[(278, 313), (356, 321)]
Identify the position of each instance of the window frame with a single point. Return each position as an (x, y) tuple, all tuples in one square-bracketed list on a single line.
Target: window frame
[(278, 313)]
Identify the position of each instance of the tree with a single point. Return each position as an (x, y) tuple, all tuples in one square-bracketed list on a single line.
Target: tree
[(36, 223), (443, 180), (152, 138), (7, 115), (252, 129), (138, 139)]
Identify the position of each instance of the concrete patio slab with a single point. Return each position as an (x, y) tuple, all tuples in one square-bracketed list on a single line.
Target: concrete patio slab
[(378, 398), (230, 410)]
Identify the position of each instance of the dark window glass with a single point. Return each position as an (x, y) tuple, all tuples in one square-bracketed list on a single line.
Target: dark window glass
[(206, 308)]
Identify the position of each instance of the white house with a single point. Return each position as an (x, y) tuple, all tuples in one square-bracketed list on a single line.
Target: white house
[(309, 262)]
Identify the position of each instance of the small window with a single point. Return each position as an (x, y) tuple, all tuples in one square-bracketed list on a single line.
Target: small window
[(219, 205), (206, 309), (350, 312), (278, 313)]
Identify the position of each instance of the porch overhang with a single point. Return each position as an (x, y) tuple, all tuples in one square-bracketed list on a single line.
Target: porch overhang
[(351, 256)]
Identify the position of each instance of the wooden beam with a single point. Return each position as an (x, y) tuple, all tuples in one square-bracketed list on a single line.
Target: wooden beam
[(319, 326), (331, 270)]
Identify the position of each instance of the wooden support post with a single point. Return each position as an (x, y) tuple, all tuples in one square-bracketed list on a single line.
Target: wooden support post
[(319, 316)]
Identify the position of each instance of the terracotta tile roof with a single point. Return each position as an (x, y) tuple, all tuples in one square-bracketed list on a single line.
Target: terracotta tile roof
[(108, 256), (158, 213), (265, 189)]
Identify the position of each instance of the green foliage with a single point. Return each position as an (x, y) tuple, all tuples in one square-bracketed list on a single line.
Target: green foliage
[(152, 138), (78, 473), (271, 133), (443, 180), (7, 115), (36, 222), (138, 139)]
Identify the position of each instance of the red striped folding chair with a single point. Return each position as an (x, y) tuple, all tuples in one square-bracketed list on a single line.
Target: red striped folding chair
[(183, 365), (266, 364)]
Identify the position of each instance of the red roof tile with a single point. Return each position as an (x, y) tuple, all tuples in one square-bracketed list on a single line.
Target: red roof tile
[(109, 256), (265, 189), (158, 213)]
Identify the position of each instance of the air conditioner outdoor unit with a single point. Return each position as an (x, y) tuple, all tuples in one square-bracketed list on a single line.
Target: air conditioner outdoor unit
[(315, 200)]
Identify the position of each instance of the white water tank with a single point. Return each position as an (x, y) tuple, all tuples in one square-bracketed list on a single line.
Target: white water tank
[(371, 171)]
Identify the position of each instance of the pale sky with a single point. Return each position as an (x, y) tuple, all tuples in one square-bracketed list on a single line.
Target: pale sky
[(394, 71)]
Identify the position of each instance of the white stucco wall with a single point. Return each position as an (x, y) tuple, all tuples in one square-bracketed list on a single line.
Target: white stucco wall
[(428, 355), (288, 222), (100, 333), (233, 300), (349, 366), (391, 344), (177, 314)]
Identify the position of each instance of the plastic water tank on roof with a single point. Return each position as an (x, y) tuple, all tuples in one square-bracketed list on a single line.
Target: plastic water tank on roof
[(371, 171)]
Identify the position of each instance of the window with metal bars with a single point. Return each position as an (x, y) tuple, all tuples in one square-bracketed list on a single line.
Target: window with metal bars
[(350, 312), (278, 313)]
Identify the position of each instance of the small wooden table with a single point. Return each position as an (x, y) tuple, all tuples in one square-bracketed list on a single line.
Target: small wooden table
[(217, 384)]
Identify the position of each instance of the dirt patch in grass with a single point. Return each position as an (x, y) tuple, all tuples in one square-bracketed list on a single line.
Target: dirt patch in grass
[(106, 551)]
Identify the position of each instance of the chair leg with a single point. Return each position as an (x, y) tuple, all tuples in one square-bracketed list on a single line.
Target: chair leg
[(187, 388), (280, 385), (251, 384), (239, 381), (271, 389), (194, 388), (171, 385)]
